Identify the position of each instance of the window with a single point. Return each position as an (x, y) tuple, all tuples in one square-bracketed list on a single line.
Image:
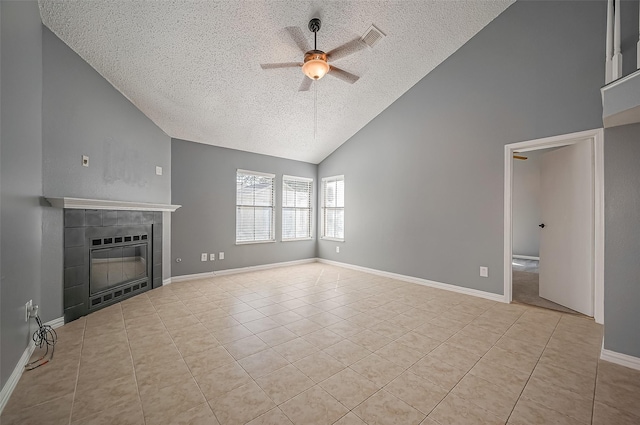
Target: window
[(333, 208), (255, 200), (296, 208)]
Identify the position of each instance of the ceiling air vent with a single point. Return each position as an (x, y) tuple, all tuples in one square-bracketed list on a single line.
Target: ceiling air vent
[(372, 36)]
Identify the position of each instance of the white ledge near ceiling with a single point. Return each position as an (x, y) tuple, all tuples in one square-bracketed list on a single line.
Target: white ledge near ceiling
[(103, 204)]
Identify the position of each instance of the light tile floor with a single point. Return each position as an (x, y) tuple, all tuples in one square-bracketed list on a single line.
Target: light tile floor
[(317, 344)]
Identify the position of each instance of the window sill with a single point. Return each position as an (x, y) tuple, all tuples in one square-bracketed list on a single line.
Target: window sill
[(332, 239), (298, 239), (254, 242)]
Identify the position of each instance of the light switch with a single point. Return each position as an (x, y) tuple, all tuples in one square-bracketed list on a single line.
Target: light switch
[(484, 271), (203, 256), (221, 256), (158, 171)]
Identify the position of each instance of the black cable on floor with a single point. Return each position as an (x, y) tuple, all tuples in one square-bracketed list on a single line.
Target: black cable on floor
[(45, 335)]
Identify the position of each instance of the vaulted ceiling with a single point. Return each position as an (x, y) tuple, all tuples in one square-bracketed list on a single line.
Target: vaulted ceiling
[(193, 67)]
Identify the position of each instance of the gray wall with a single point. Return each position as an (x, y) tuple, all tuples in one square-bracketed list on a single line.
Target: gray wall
[(526, 205), (622, 240), (203, 182), (85, 115), (424, 179), (21, 175)]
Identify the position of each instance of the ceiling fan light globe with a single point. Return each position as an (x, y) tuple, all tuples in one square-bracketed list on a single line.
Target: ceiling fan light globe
[(315, 68)]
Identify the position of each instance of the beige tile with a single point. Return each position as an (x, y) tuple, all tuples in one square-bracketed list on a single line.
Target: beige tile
[(192, 344), (486, 395), (272, 417), (302, 327), (528, 412), (128, 413), (377, 369), (286, 317), (322, 338), (165, 402), (399, 354), (350, 419), (313, 407), (529, 348), (418, 392), (389, 330), (607, 415), (455, 356), (349, 387), (263, 363), (511, 380), (230, 334), (284, 383), (248, 316), (276, 336), (565, 379), (441, 374), (519, 361), (370, 340), (296, 349), (454, 410), (151, 377), (155, 354), (220, 381), (56, 411), (319, 366), (345, 328), (347, 352), (207, 361), (558, 399), (419, 342), (245, 347), (261, 325), (471, 343), (91, 399), (325, 318), (385, 409), (241, 405)]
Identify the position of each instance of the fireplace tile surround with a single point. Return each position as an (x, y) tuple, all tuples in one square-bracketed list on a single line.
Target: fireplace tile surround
[(83, 229)]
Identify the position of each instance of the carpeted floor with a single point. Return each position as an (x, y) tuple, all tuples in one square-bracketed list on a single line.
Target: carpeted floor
[(526, 290)]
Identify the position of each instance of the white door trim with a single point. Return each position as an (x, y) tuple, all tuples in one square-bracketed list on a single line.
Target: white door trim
[(597, 138)]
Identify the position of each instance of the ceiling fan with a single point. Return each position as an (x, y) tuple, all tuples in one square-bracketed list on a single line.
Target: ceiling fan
[(315, 64)]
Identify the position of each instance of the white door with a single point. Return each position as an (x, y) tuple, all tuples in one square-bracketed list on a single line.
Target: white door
[(566, 241)]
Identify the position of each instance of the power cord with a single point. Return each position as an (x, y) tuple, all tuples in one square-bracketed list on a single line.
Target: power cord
[(44, 336)]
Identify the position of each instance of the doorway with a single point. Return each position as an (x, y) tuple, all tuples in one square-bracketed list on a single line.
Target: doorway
[(592, 291)]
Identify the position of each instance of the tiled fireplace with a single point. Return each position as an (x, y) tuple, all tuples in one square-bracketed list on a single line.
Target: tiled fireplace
[(112, 251)]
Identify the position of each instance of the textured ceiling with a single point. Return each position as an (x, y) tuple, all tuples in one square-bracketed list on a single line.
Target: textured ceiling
[(193, 67)]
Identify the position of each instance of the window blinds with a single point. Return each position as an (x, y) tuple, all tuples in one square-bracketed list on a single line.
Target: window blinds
[(255, 200), (296, 208), (333, 207)]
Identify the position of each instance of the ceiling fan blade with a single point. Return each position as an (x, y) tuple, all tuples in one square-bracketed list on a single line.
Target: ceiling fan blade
[(298, 36), (306, 84), (280, 65), (346, 49), (342, 74)]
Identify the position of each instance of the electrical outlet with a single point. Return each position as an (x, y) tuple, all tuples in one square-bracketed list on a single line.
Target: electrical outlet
[(85, 161), (27, 310), (484, 271), (212, 257), (338, 250), (203, 256), (221, 256)]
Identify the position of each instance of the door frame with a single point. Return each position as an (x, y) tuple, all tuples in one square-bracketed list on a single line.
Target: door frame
[(596, 136)]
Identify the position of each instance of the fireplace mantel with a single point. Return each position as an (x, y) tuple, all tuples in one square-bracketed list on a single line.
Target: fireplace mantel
[(103, 204)]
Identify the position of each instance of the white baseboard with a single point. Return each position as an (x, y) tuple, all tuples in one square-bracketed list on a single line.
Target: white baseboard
[(419, 281), (237, 270), (11, 383), (620, 359), (56, 323), (526, 257), (167, 281)]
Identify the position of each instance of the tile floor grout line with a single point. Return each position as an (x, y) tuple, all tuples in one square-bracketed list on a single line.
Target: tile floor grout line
[(75, 388)]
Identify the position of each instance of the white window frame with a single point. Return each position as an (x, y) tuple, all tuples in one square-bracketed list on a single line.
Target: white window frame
[(310, 231), (273, 207), (324, 209)]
